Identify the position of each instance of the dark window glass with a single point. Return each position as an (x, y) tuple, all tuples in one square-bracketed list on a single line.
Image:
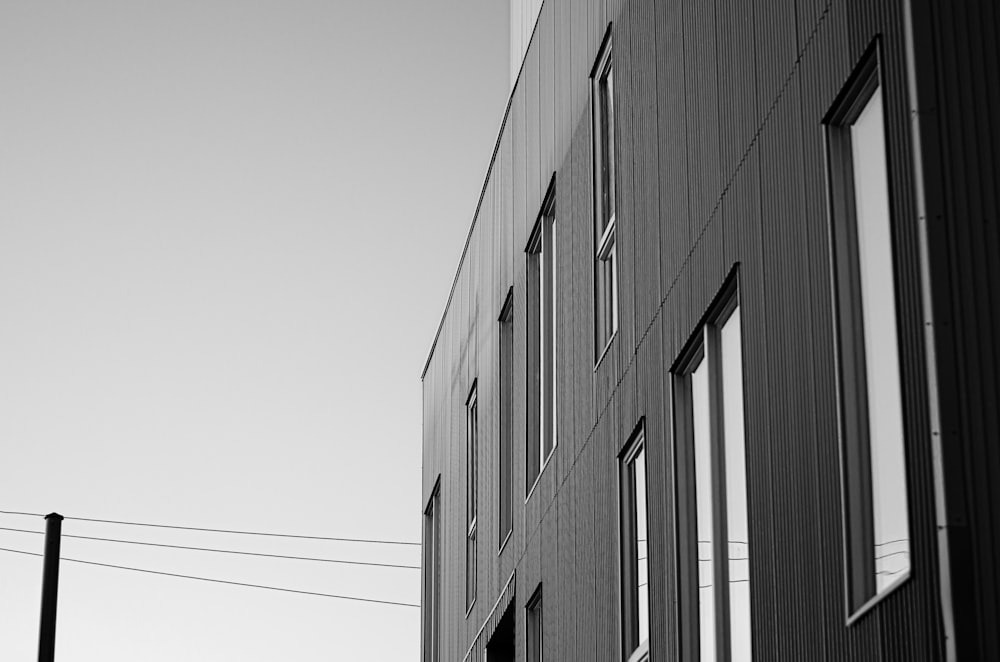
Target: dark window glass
[(502, 645)]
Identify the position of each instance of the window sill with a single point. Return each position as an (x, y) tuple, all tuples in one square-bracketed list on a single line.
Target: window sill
[(506, 539), (604, 352), (640, 654), (861, 611), (541, 472)]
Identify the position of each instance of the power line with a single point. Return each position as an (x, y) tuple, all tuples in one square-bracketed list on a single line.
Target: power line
[(207, 530), (731, 581), (14, 512), (245, 533), (221, 581), (224, 551), (885, 556)]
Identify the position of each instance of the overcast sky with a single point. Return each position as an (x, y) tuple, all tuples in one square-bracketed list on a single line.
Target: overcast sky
[(227, 234)]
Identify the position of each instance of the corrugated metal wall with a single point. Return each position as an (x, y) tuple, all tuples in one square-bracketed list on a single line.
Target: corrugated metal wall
[(720, 161), (954, 116), (523, 14)]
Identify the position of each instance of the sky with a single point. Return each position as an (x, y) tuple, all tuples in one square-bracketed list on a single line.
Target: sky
[(228, 230)]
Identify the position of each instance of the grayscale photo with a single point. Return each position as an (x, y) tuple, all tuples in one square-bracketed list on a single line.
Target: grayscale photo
[(499, 331)]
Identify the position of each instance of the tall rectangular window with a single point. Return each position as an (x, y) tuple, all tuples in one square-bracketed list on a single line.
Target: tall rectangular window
[(431, 568), (533, 631), (605, 260), (635, 551), (506, 321), (874, 463), (472, 452), (713, 527), (542, 343)]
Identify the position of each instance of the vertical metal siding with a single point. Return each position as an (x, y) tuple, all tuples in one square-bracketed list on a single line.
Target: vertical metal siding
[(958, 123), (720, 161)]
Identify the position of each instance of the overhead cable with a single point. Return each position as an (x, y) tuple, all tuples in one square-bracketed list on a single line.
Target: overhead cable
[(224, 551), (14, 512), (208, 530), (221, 581)]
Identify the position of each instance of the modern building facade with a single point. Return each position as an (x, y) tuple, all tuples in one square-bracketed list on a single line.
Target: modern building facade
[(717, 378), (523, 15)]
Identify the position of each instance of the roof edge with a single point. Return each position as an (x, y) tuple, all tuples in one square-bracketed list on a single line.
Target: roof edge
[(482, 194)]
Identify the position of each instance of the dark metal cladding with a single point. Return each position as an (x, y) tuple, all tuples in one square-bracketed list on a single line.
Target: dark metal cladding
[(721, 161)]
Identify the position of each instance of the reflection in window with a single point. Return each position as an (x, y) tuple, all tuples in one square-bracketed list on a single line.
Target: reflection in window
[(737, 533), (605, 265), (877, 513), (548, 321), (431, 570), (506, 416), (703, 500), (472, 450), (712, 490), (890, 546), (542, 347), (533, 613), (641, 545), (635, 551)]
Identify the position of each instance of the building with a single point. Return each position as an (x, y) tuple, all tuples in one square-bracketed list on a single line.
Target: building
[(523, 15), (718, 374)]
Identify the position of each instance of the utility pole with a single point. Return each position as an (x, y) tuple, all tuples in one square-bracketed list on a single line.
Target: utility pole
[(50, 588)]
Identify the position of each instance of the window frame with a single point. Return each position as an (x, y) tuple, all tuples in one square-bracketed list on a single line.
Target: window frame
[(505, 491), (634, 649), (605, 186), (861, 591), (542, 319), (472, 501), (431, 581), (703, 349), (534, 630)]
